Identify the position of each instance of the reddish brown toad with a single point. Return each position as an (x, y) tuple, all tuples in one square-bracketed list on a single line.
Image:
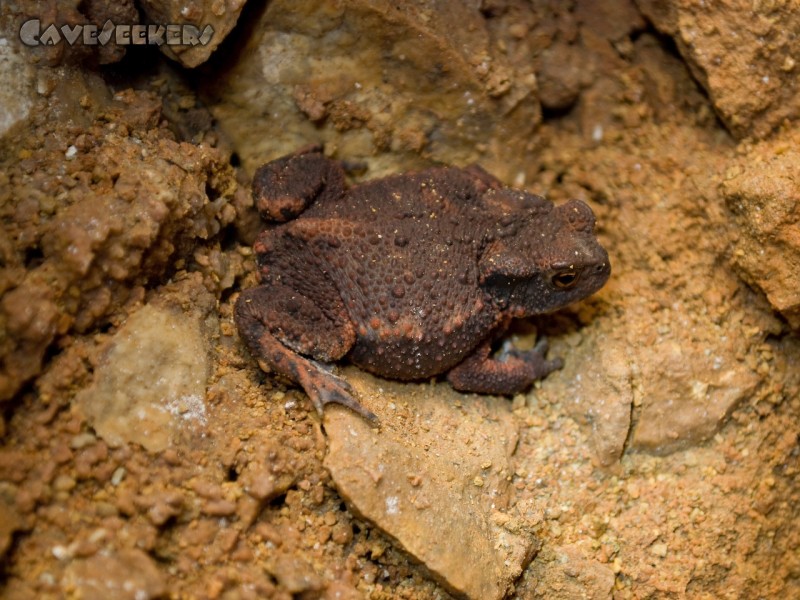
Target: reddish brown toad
[(409, 276)]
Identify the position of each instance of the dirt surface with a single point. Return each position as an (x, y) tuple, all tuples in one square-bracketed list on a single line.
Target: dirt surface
[(144, 453)]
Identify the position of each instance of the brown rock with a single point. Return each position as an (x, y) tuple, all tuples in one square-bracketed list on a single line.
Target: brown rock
[(566, 572), (687, 393), (560, 76), (98, 12), (295, 574), (435, 478), (31, 320), (10, 522), (378, 77), (264, 485), (131, 200), (609, 19), (127, 575), (762, 192), (220, 15), (341, 590), (219, 508), (152, 383), (605, 393), (677, 389), (17, 94), (742, 52)]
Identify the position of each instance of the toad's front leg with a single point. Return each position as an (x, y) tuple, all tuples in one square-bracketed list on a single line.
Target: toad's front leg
[(285, 187), (279, 326), (514, 371)]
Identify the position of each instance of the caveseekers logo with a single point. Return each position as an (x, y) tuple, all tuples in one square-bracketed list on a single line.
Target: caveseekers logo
[(33, 33)]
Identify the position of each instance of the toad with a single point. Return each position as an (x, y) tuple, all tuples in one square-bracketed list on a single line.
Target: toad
[(409, 276)]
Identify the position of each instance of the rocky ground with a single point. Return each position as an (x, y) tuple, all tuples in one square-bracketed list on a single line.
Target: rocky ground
[(145, 455)]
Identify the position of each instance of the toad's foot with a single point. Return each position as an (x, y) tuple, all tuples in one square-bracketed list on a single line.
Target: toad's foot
[(323, 387), (534, 357)]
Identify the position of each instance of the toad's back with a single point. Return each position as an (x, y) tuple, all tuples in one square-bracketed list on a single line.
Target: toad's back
[(403, 253)]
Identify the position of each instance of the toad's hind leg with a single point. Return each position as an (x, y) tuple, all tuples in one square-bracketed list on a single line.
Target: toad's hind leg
[(279, 325)]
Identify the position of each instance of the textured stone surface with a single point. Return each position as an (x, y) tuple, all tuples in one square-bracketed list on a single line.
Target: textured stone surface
[(762, 192), (93, 209), (568, 572), (377, 77), (127, 575), (152, 383), (10, 523), (603, 391), (673, 344), (219, 14), (743, 52), (687, 380), (16, 93), (435, 478), (658, 381)]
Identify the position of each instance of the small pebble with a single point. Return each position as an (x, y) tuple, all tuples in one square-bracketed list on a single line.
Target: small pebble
[(64, 483), (82, 440), (118, 476), (659, 549)]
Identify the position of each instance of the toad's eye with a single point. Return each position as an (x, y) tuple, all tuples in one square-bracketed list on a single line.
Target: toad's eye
[(565, 279)]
